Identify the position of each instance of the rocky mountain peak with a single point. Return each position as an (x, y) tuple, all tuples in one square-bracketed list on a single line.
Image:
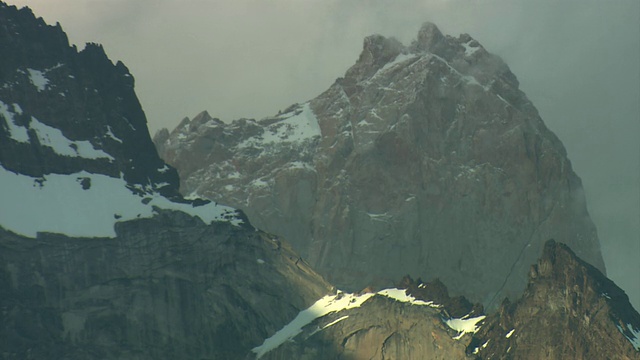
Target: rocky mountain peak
[(429, 37), (102, 257), (71, 126), (569, 310), (75, 110), (424, 159), (376, 52)]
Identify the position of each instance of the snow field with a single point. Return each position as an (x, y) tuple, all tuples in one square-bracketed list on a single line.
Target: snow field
[(59, 204)]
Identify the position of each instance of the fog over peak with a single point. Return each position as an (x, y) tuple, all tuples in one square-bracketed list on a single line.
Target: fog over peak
[(577, 61)]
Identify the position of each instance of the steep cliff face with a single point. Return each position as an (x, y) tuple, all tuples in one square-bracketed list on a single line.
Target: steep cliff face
[(101, 257), (569, 310), (423, 159), (66, 111), (168, 287)]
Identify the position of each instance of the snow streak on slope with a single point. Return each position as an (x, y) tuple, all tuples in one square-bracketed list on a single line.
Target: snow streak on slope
[(48, 136), (38, 79), (85, 205), (17, 133), (322, 307), (327, 305), (634, 337)]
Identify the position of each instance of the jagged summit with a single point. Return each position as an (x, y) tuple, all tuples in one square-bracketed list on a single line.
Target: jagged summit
[(71, 126), (101, 257), (569, 310), (424, 159), (429, 37)]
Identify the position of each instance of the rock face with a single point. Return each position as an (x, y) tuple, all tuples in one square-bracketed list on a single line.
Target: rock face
[(382, 328), (569, 310), (423, 159), (91, 103), (101, 257), (169, 287)]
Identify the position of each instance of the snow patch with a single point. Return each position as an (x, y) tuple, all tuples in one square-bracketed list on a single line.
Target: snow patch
[(402, 296), (259, 183), (634, 339), (17, 109), (335, 321), (38, 79), (53, 138), (470, 50), (296, 128), (85, 205), (111, 135), (464, 325), (17, 133)]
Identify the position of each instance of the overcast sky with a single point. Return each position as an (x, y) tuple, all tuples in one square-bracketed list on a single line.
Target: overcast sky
[(578, 61)]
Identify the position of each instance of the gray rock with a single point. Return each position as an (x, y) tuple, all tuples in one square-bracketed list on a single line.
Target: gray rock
[(428, 161)]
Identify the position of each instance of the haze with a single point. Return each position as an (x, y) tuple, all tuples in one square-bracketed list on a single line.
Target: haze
[(579, 62)]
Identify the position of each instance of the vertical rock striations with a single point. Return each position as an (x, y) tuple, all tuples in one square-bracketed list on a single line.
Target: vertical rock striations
[(424, 159)]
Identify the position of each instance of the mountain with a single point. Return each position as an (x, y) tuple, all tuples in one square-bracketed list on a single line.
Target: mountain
[(102, 258), (569, 310), (423, 159)]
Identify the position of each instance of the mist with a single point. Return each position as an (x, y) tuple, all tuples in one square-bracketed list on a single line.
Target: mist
[(579, 63)]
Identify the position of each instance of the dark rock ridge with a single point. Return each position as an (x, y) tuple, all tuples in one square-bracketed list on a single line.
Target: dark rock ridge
[(81, 94), (100, 257), (569, 310), (423, 159)]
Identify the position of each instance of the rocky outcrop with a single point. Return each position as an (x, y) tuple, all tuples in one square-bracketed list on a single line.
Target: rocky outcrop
[(424, 159), (569, 310)]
